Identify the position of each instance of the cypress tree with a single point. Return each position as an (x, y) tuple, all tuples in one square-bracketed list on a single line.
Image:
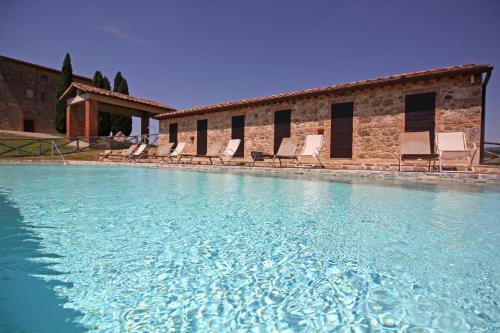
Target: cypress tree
[(118, 122), (101, 81), (64, 81)]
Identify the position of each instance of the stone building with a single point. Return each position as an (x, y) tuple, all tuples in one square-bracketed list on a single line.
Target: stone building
[(360, 121), (27, 95)]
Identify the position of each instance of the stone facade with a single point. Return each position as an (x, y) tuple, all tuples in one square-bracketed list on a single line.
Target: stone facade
[(27, 92), (378, 119)]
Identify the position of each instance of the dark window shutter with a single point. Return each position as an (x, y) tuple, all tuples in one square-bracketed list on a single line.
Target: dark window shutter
[(341, 138), (172, 134), (201, 137), (420, 114), (282, 127), (238, 132)]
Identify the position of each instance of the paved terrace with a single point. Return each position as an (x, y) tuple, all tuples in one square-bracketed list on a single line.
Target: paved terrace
[(389, 177)]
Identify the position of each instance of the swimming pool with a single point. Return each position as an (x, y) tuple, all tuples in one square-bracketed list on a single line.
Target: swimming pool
[(117, 249)]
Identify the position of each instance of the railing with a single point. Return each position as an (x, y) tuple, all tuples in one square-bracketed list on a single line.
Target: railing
[(54, 145), (20, 147)]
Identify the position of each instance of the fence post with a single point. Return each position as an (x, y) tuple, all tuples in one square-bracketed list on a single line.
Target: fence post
[(40, 148)]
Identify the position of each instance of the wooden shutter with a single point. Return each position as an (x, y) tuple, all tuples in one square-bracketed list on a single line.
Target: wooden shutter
[(172, 134), (341, 138), (201, 137), (282, 127), (420, 113), (29, 125), (238, 132)]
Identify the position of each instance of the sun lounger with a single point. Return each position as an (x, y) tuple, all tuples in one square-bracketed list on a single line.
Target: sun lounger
[(231, 149), (139, 153), (286, 150), (453, 146), (212, 152), (177, 153), (102, 156), (127, 153), (164, 151), (416, 146), (312, 148)]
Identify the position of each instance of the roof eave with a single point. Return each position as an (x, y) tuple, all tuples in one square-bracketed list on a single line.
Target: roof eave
[(411, 77)]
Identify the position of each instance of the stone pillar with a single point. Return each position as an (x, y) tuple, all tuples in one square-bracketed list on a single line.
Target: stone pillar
[(72, 123), (144, 125), (68, 121), (91, 119)]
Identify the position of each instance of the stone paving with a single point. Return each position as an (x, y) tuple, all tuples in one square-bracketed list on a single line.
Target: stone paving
[(319, 174)]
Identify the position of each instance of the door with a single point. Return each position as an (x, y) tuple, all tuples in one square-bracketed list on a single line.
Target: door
[(29, 125), (238, 132), (420, 112), (172, 134), (282, 127), (341, 138), (201, 137)]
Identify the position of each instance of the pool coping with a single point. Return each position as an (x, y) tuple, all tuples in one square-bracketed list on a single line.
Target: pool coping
[(320, 174)]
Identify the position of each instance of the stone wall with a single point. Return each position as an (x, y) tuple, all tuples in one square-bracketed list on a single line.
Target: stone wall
[(378, 119), (27, 91)]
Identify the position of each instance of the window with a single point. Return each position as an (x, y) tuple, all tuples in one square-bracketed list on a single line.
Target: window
[(44, 79), (238, 132), (341, 139), (30, 93), (29, 125), (282, 127), (201, 137), (420, 112), (43, 96), (172, 134)]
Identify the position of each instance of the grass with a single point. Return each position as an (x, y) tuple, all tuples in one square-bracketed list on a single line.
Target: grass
[(27, 146), (88, 155)]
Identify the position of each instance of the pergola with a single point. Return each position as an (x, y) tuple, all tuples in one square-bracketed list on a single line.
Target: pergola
[(84, 102)]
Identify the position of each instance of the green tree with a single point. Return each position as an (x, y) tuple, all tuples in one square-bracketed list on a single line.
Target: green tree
[(101, 81), (118, 122), (64, 81)]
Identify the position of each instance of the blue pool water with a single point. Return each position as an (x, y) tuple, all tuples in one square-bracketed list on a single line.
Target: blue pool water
[(131, 249)]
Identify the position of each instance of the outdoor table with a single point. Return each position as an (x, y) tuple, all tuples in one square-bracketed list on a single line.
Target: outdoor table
[(259, 156)]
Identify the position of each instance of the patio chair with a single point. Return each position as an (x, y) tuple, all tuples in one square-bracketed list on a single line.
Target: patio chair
[(102, 156), (127, 153), (312, 148), (286, 150), (164, 151), (139, 153), (231, 149), (212, 152), (453, 146), (416, 146), (177, 153)]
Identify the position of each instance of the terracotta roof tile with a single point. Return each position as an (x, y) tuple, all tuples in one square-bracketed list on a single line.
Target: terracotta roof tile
[(400, 78), (104, 92)]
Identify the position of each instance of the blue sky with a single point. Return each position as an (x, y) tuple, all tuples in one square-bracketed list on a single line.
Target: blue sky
[(189, 53)]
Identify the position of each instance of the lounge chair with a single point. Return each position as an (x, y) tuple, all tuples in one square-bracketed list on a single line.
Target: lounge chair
[(312, 148), (102, 156), (286, 150), (139, 153), (164, 151), (416, 146), (177, 153), (212, 152), (453, 146), (231, 149), (127, 153)]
